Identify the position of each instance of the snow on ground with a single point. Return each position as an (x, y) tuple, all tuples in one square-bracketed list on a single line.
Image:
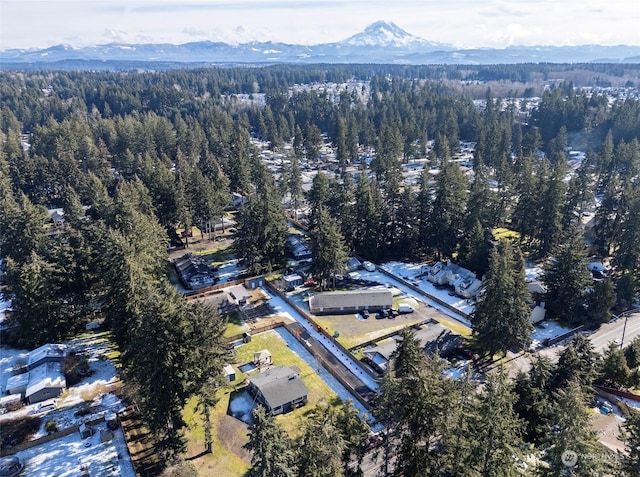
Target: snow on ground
[(408, 272), (335, 385), (4, 306), (281, 307), (547, 329), (65, 457), (533, 273), (229, 270), (9, 357)]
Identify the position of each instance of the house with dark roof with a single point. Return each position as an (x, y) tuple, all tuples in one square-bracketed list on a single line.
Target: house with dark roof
[(350, 301), (434, 338), (194, 271), (279, 389), (298, 247)]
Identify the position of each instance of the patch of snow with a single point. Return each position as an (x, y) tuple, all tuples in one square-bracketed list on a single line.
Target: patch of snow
[(229, 270), (547, 330), (65, 456), (533, 273)]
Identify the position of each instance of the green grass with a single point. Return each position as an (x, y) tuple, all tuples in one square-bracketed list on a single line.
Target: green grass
[(224, 461), (504, 233), (319, 391), (235, 325)]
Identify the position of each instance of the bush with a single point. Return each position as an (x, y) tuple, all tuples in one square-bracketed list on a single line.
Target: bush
[(50, 427), (17, 431)]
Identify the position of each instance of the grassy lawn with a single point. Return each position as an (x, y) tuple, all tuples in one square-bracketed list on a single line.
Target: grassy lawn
[(454, 325), (235, 326), (504, 233), (228, 458), (230, 434), (219, 255)]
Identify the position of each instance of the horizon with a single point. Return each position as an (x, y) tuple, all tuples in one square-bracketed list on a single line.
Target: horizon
[(35, 24)]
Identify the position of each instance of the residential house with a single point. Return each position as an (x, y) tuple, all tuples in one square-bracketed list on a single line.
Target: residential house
[(351, 301), (194, 271), (279, 389), (463, 281), (45, 382), (47, 353), (297, 247), (434, 338)]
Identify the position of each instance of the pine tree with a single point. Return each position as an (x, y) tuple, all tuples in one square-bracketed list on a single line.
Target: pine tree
[(614, 370), (501, 319), (496, 431), (566, 277), (569, 430), (630, 459), (321, 446), (327, 248), (272, 452)]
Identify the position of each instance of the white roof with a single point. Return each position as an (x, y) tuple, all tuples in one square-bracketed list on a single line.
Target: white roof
[(17, 381), (47, 351), (47, 375), (228, 370)]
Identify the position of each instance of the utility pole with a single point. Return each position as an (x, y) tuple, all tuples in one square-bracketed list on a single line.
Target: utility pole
[(624, 328)]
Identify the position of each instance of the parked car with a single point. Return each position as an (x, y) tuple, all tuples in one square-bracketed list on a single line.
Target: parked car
[(365, 314), (368, 266), (404, 308)]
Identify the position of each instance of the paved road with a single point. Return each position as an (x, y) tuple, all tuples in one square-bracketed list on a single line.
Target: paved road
[(613, 332)]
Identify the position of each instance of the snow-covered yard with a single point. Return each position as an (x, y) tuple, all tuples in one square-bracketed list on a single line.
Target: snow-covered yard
[(229, 271), (68, 455), (547, 330)]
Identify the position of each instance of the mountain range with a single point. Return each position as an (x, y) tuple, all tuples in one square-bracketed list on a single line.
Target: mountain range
[(380, 42)]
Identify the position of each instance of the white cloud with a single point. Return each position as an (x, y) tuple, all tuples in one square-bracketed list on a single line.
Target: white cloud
[(496, 23)]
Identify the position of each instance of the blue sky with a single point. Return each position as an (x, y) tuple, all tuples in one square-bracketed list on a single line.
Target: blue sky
[(462, 23)]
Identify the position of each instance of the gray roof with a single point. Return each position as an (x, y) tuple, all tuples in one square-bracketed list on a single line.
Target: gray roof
[(280, 385), (351, 299), (47, 375), (49, 350)]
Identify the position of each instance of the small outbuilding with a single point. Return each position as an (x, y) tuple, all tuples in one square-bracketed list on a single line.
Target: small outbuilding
[(229, 373), (85, 431), (262, 358), (17, 384)]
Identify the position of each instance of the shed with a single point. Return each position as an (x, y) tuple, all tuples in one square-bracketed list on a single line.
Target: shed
[(293, 280), (262, 358), (229, 373), (106, 435), (85, 431)]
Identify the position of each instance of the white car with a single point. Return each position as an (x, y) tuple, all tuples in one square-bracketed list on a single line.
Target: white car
[(368, 266)]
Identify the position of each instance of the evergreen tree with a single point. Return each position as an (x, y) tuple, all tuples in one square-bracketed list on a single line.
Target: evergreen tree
[(630, 459), (501, 319), (533, 403), (262, 231), (496, 431), (272, 452), (578, 362), (566, 277), (613, 367), (327, 248), (569, 429), (321, 446), (448, 210)]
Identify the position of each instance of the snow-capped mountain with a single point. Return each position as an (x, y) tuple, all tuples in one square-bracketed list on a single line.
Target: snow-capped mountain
[(380, 42), (388, 35)]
